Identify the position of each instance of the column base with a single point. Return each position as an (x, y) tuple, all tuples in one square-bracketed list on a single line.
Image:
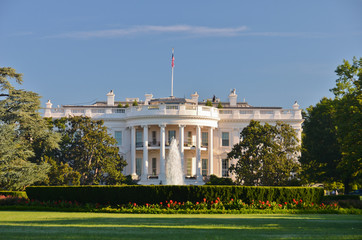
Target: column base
[(134, 176)]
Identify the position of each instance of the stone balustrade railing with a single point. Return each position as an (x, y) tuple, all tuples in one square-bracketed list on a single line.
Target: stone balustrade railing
[(190, 110)]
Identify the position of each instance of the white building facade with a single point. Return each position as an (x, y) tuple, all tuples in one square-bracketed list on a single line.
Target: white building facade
[(204, 134)]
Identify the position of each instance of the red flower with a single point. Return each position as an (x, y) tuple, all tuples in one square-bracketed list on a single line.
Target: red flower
[(204, 199), (232, 199), (312, 204), (197, 203), (212, 202), (160, 203), (170, 201), (216, 201), (179, 203), (300, 200), (168, 205), (134, 204), (267, 202), (263, 203), (280, 205), (285, 203)]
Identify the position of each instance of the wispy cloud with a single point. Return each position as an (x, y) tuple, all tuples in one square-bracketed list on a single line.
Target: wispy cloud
[(152, 29), (185, 31)]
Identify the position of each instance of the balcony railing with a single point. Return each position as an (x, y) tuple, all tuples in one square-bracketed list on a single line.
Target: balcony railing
[(174, 109)]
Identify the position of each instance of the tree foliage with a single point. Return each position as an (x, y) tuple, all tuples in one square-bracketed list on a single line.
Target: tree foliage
[(266, 156), (87, 154), (25, 136), (332, 145), (321, 152), (208, 103)]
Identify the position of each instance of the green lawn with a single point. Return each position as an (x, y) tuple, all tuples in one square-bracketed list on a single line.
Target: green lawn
[(62, 225)]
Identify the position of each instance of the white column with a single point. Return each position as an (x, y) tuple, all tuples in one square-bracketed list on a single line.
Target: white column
[(198, 153), (145, 154), (162, 175), (133, 152), (211, 151), (181, 145)]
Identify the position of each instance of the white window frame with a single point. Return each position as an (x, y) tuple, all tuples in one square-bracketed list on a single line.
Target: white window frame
[(118, 136), (224, 139)]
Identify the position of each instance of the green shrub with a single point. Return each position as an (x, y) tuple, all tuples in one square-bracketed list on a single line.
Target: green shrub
[(154, 194), (21, 194), (208, 103), (340, 197), (215, 180)]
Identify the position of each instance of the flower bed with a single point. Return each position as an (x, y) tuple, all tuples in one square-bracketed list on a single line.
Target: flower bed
[(234, 206)]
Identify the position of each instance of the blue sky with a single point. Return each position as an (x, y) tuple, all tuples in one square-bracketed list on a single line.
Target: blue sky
[(272, 52)]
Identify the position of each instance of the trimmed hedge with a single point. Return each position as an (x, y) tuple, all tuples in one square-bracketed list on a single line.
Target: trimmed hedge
[(341, 197), (14, 193), (157, 194)]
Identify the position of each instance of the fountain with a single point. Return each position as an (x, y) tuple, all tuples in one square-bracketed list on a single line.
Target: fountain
[(174, 171)]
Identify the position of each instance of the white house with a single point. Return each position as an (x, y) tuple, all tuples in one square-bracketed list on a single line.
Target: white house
[(206, 133)]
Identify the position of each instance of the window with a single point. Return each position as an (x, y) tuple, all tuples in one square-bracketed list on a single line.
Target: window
[(189, 138), (225, 167), (154, 166), (118, 137), (204, 139), (171, 134), (189, 167), (139, 166), (154, 138), (139, 142), (225, 139), (204, 167)]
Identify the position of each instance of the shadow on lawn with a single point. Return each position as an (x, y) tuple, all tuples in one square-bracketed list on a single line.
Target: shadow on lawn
[(181, 228)]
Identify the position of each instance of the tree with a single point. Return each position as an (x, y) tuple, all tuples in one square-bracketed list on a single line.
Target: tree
[(135, 103), (333, 131), (23, 131), (219, 105), (348, 97), (88, 149), (266, 155), (321, 151)]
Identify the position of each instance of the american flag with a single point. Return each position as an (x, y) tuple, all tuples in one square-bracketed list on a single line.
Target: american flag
[(173, 60)]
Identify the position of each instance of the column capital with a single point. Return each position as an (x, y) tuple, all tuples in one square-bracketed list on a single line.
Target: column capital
[(162, 125), (144, 126), (182, 125)]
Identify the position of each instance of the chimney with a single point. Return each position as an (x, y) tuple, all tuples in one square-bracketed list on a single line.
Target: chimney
[(233, 98), (148, 98), (295, 106), (48, 112), (195, 97), (110, 98)]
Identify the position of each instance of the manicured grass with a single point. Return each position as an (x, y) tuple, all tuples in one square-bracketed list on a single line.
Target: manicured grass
[(63, 225)]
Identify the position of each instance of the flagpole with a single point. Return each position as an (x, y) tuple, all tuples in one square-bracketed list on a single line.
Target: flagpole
[(172, 65)]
